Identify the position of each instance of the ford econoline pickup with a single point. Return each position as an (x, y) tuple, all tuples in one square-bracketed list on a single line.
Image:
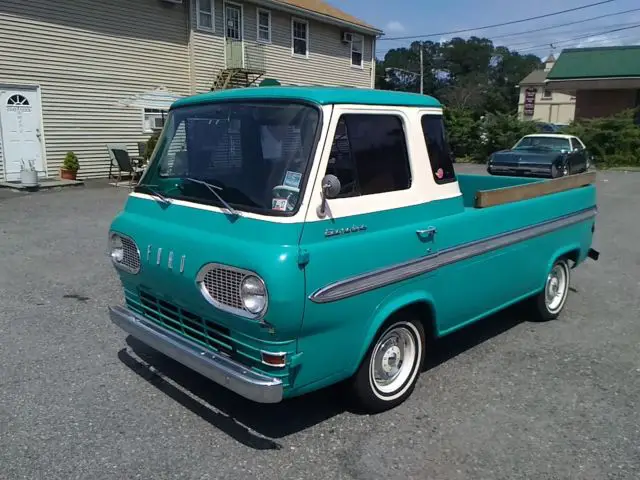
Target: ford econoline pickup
[(283, 239)]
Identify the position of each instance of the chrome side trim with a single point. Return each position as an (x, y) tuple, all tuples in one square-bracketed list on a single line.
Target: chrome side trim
[(413, 268), (222, 370)]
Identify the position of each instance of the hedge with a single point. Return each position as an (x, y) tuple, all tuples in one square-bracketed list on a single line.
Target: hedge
[(613, 141)]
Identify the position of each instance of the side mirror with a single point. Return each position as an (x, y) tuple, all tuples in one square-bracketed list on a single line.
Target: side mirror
[(330, 189)]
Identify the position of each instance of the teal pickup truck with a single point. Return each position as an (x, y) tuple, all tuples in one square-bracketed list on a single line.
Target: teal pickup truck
[(283, 239)]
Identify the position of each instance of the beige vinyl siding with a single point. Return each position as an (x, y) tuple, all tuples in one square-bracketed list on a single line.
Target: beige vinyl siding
[(87, 55), (329, 61), (208, 49)]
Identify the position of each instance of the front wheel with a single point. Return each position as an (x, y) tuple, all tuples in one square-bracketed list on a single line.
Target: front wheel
[(550, 302), (389, 371)]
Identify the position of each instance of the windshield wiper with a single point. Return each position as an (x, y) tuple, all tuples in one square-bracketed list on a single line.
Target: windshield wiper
[(156, 193), (213, 189)]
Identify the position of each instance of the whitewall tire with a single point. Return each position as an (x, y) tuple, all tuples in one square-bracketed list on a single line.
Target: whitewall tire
[(552, 299), (389, 372)]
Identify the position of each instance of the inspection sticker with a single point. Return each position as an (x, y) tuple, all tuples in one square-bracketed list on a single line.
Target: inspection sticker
[(279, 204), (292, 179)]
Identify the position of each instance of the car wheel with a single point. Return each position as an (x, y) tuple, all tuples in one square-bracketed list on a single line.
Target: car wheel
[(389, 372), (550, 302)]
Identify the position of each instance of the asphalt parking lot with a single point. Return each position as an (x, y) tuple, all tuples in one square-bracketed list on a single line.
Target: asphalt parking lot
[(504, 399)]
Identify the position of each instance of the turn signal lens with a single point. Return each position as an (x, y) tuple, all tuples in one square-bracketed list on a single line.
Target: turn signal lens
[(274, 359)]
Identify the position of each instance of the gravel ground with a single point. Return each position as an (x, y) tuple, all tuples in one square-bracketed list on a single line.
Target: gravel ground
[(504, 399)]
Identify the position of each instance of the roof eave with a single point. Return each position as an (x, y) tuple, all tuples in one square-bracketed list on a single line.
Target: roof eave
[(320, 17)]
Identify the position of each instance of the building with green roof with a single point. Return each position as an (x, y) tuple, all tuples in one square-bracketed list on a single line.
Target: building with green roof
[(604, 80), (540, 104)]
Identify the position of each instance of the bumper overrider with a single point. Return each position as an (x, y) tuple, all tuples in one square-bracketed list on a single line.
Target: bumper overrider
[(218, 368)]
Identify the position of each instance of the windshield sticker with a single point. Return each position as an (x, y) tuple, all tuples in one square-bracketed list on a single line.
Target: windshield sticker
[(292, 179), (279, 204)]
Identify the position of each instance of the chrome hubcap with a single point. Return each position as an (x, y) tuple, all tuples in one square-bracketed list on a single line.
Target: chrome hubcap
[(393, 359), (556, 287)]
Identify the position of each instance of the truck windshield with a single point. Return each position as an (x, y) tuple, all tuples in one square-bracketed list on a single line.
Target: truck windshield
[(556, 144), (254, 156)]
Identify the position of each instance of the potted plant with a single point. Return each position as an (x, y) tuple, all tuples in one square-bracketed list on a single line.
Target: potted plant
[(70, 166), (28, 174)]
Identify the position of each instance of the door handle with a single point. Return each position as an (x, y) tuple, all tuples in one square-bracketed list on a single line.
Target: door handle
[(427, 233)]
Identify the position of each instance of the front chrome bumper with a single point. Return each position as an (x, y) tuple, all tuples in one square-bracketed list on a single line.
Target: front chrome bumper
[(222, 370), (518, 170)]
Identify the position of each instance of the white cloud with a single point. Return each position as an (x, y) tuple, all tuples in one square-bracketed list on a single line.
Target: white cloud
[(395, 27)]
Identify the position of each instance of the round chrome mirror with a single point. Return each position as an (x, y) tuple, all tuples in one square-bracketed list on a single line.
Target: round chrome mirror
[(331, 186)]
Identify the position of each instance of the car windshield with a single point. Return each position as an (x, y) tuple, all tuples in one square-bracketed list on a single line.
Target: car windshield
[(238, 156), (556, 144)]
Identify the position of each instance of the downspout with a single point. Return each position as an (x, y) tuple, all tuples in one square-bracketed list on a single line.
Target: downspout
[(192, 76), (373, 62)]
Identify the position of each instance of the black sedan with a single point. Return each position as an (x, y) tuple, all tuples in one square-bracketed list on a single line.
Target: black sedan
[(541, 155)]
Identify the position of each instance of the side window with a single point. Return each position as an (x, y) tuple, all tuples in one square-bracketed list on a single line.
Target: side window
[(438, 149), (575, 143), (369, 155)]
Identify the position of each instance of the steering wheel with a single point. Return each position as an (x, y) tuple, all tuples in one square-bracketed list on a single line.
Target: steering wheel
[(287, 192)]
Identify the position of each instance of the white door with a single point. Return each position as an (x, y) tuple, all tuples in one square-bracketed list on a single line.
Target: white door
[(21, 130)]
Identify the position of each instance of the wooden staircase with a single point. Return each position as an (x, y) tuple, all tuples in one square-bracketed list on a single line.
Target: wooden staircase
[(236, 78)]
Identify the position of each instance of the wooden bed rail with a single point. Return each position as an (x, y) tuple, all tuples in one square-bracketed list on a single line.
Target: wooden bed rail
[(498, 196)]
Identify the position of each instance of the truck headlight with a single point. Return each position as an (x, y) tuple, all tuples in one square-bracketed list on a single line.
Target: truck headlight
[(117, 249), (253, 294)]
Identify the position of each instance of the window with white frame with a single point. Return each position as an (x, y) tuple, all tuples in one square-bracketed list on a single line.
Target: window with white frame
[(204, 10), (300, 37), (357, 47), (264, 26), (546, 94), (153, 119)]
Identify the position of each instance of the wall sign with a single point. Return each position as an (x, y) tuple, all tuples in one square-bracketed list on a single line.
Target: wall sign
[(529, 100)]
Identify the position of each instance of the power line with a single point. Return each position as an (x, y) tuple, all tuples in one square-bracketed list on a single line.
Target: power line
[(534, 47), (498, 24), (588, 33), (526, 32), (559, 25)]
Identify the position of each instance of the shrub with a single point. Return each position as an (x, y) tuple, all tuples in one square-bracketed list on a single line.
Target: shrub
[(462, 132), (501, 131), (71, 162), (613, 141)]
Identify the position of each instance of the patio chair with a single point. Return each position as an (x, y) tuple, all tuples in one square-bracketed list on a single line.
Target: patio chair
[(121, 160)]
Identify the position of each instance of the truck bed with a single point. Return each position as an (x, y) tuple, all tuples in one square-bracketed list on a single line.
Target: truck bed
[(482, 191)]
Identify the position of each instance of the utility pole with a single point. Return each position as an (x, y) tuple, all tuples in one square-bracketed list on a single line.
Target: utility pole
[(421, 69)]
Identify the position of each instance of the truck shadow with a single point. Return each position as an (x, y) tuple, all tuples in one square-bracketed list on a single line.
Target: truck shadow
[(259, 426)]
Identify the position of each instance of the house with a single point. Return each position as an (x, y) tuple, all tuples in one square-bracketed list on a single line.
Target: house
[(540, 103), (69, 69), (604, 80)]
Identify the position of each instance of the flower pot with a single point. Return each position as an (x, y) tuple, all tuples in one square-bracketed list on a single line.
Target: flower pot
[(29, 178), (68, 174)]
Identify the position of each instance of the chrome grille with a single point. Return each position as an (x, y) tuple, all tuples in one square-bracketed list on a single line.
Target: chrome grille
[(223, 285), (220, 285), (131, 257)]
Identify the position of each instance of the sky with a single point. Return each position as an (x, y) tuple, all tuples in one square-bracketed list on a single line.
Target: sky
[(400, 18)]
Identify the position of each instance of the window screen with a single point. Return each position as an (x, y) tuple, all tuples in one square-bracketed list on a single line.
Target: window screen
[(438, 149), (369, 155)]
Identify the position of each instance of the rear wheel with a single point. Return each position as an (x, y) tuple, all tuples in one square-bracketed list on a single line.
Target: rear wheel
[(389, 371), (550, 302)]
